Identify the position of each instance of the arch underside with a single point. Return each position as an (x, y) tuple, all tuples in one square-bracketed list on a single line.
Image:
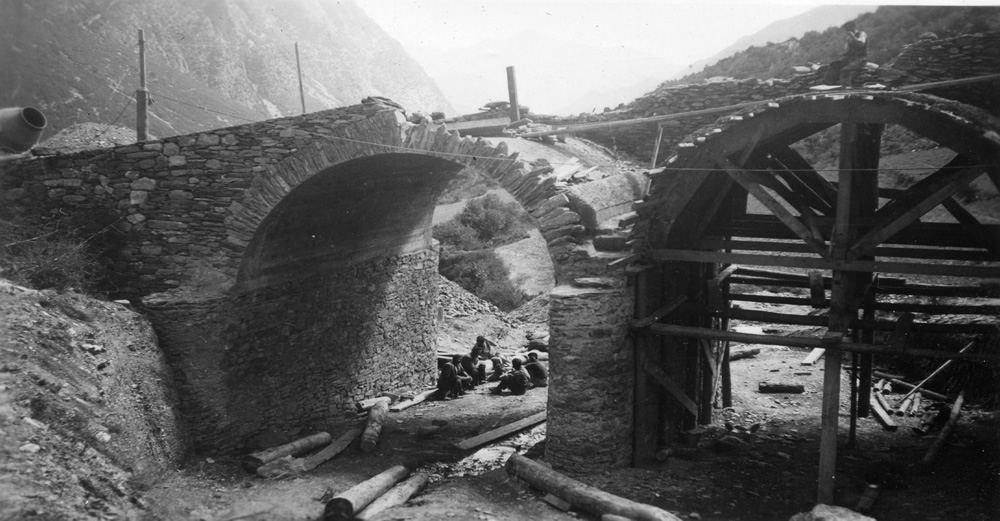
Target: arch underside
[(739, 209)]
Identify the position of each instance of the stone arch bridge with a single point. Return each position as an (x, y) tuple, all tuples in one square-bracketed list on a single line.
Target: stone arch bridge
[(280, 260)]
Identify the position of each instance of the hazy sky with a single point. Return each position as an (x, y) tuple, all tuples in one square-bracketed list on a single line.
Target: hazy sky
[(677, 31), (681, 32)]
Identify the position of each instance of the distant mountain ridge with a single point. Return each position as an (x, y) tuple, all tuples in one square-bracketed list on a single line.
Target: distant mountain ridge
[(78, 61)]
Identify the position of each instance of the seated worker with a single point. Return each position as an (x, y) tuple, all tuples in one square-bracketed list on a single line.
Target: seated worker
[(497, 372), (517, 380), (449, 382), (466, 368), (539, 376)]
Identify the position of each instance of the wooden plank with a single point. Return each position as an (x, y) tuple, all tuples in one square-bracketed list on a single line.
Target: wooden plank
[(661, 378), (950, 270), (752, 183), (656, 146), (813, 355), (795, 164), (624, 261), (810, 342), (882, 416), (881, 251), (500, 432), (663, 311), (410, 403)]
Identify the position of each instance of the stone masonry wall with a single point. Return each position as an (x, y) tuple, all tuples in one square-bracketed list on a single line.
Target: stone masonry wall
[(168, 203), (591, 382), (257, 360)]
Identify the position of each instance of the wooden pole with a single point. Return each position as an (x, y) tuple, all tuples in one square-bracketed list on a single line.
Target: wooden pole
[(936, 372), (298, 67), (348, 503), (398, 495), (956, 411), (279, 466), (515, 108), (141, 95), (584, 497), (656, 146), (800, 341)]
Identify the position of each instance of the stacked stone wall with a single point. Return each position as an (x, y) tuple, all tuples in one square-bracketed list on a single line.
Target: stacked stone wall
[(259, 360), (169, 204)]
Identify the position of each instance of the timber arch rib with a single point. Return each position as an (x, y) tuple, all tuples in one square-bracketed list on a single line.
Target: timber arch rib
[(738, 198)]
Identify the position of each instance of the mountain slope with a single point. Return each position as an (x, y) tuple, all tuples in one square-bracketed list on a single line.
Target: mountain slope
[(78, 61), (817, 19), (889, 28)]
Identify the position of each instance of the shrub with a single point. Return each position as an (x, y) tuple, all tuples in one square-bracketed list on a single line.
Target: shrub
[(483, 274), (492, 219), (43, 257), (457, 236)]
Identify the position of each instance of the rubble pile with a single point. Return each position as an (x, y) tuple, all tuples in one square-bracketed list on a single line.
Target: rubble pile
[(456, 302)]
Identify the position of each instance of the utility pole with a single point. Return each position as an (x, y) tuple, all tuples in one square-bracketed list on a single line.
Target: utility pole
[(298, 66), (141, 96), (515, 109)]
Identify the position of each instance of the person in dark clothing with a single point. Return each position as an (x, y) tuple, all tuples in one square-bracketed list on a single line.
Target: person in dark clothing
[(539, 376), (841, 72), (497, 372), (449, 382), (470, 370), (517, 381)]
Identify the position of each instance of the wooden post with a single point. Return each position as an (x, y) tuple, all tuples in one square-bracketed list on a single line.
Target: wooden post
[(956, 411), (141, 96), (298, 67), (656, 146), (644, 416), (515, 109)]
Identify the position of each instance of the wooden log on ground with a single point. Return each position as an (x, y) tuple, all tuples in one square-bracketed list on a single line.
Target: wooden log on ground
[(331, 450), (376, 417), (410, 403), (868, 498), (285, 465), (397, 495), (500, 432), (904, 406), (781, 387), (880, 398), (581, 496), (915, 406), (929, 394), (882, 416), (737, 354), (253, 461), (366, 405), (347, 504), (956, 412)]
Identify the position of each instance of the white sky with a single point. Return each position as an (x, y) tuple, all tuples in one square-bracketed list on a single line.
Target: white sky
[(680, 31)]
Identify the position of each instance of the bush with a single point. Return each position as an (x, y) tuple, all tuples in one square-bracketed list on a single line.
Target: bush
[(44, 257), (491, 218), (483, 274), (457, 236)]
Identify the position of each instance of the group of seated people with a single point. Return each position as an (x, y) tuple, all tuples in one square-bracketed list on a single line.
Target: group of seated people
[(466, 372)]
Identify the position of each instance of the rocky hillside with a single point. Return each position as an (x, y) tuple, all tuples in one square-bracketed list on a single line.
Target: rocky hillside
[(208, 64), (86, 407), (889, 29)]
